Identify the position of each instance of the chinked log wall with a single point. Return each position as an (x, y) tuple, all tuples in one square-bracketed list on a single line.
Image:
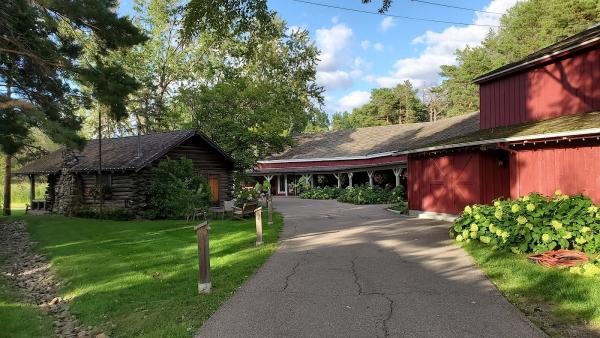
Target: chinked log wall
[(130, 185), (123, 188), (206, 162)]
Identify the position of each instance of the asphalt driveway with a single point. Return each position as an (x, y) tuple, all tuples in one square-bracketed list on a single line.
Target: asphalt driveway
[(360, 271)]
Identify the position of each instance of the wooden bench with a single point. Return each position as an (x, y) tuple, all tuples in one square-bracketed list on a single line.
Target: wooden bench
[(245, 210), (36, 206)]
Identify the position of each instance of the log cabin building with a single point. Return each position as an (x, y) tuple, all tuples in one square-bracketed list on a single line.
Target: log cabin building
[(538, 130), (127, 163)]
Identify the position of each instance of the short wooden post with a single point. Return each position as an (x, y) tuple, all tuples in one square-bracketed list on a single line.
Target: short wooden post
[(204, 284), (270, 206), (259, 237)]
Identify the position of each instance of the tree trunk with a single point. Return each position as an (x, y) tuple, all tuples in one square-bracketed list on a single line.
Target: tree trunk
[(7, 183)]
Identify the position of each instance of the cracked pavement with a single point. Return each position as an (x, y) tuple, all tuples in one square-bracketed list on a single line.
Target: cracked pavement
[(359, 271)]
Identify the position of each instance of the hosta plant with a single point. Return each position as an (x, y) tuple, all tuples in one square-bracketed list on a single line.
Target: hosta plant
[(532, 223)]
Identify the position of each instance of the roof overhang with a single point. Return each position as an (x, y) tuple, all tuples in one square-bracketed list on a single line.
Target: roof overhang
[(339, 158), (592, 132), (520, 65)]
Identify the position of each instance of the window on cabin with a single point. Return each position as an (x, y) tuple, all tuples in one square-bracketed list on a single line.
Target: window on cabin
[(104, 182)]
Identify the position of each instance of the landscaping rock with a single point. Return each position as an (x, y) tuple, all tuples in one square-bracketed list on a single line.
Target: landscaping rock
[(31, 273)]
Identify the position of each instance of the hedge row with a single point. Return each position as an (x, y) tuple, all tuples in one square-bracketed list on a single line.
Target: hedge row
[(533, 223), (357, 195)]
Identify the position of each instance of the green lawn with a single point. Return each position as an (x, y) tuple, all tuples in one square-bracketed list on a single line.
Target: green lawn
[(559, 302), (139, 278), (18, 319)]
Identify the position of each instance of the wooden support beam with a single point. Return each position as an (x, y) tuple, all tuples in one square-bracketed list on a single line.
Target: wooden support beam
[(204, 283), (339, 179), (350, 174), (397, 172), (285, 183), (32, 187), (370, 173)]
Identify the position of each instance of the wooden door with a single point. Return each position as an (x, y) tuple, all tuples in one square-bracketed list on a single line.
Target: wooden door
[(213, 184)]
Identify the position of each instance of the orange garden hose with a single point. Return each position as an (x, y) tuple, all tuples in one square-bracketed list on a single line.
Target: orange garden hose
[(559, 258)]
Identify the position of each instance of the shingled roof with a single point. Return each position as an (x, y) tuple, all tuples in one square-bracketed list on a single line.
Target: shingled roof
[(118, 153), (364, 142)]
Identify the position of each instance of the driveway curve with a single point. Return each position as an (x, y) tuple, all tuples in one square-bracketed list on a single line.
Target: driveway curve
[(360, 271)]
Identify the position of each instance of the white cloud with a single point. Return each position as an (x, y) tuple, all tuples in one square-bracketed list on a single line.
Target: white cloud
[(387, 23), (378, 47), (335, 19), (332, 42), (334, 79), (424, 69), (353, 100), (364, 44), (338, 68)]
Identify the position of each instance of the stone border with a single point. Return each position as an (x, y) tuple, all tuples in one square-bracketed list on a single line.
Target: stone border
[(31, 273)]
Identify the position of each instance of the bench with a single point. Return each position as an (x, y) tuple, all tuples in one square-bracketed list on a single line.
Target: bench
[(245, 210)]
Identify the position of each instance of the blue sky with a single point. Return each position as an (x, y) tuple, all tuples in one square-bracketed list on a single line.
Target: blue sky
[(362, 51)]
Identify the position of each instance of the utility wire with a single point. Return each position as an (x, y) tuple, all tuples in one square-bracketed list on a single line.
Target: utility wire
[(455, 7), (390, 15)]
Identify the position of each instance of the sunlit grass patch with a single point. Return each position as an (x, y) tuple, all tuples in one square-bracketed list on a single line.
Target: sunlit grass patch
[(139, 278)]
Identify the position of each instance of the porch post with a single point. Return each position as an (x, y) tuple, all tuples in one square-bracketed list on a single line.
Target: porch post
[(312, 181), (338, 179), (32, 187), (268, 178), (285, 184), (397, 174), (350, 174), (370, 173)]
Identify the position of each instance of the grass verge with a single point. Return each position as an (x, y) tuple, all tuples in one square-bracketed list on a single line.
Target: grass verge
[(559, 302), (139, 278)]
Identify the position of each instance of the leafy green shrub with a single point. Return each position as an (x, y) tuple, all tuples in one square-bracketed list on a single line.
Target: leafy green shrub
[(401, 206), (115, 214), (371, 195), (325, 193), (357, 195), (533, 223), (175, 190), (245, 196)]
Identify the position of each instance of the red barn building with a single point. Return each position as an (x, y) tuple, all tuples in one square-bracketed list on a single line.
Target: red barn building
[(538, 131)]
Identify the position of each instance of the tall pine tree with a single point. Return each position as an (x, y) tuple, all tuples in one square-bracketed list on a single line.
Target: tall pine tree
[(41, 69)]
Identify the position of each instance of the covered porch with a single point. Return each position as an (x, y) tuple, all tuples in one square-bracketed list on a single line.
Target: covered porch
[(286, 182)]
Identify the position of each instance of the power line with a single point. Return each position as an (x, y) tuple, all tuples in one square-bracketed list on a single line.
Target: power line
[(455, 7), (391, 15)]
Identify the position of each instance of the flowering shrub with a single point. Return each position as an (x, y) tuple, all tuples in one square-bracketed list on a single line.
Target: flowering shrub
[(326, 193), (533, 223), (371, 195), (357, 195)]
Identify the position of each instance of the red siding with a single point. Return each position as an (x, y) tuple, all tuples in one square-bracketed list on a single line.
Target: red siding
[(572, 170), (562, 87), (447, 183)]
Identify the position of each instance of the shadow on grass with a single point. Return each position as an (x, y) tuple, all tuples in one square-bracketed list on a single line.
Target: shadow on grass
[(560, 302), (135, 278)]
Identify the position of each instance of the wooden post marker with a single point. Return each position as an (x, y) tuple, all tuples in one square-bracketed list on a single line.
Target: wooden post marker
[(204, 284), (270, 206), (259, 237)]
